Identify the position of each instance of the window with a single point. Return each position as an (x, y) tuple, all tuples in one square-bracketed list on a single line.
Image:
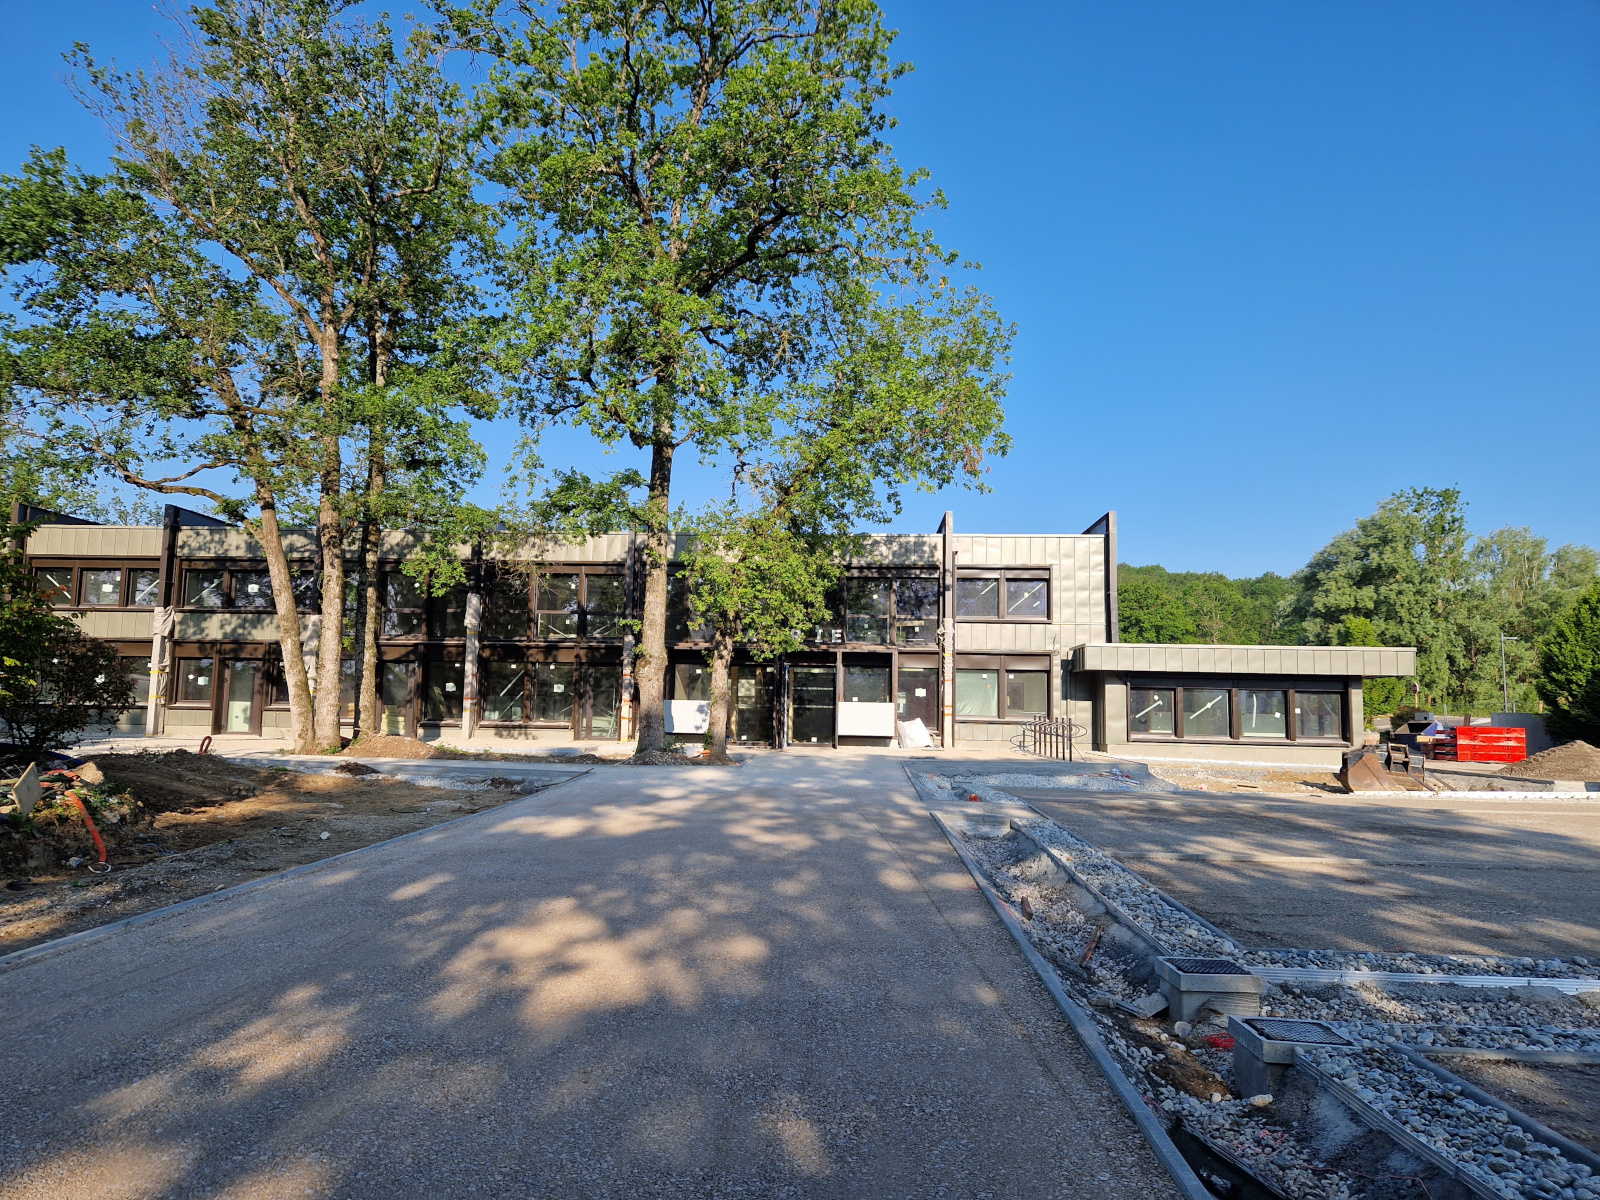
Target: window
[(558, 606), (194, 680), (441, 700), (450, 614), (503, 686), (1025, 599), (977, 599), (552, 692), (866, 616), (349, 680), (1206, 712), (203, 589), (866, 685), (144, 590), (977, 693), (1261, 713), (505, 607), (402, 605), (1027, 694), (1318, 714), (102, 588), (307, 588), (139, 675), (604, 605), (1150, 710), (916, 612), (56, 583), (690, 682), (679, 615), (252, 589), (1025, 593)]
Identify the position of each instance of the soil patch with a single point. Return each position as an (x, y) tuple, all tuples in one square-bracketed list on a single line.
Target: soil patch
[(1565, 1098), (387, 745), (1575, 760), (198, 824), (1218, 778)]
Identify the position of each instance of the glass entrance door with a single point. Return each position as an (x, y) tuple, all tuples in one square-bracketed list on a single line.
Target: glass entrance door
[(811, 710), (917, 697), (752, 703), (396, 685), (605, 694), (238, 717)]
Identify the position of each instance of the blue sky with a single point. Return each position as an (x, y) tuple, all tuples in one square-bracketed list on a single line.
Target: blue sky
[(1270, 262)]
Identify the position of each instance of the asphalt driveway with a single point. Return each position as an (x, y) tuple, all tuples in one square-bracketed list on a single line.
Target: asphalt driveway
[(769, 981)]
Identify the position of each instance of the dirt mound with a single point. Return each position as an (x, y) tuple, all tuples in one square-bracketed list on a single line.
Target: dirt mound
[(388, 745), (672, 758), (177, 780), (1575, 760)]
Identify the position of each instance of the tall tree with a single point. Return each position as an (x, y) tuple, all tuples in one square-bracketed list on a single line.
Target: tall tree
[(703, 198), (273, 184), (1569, 671)]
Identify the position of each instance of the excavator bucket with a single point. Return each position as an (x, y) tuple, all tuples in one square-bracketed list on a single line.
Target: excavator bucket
[(1382, 769)]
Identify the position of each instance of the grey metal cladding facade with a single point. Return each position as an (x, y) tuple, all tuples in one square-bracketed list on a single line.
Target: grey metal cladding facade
[(95, 541), (1167, 659)]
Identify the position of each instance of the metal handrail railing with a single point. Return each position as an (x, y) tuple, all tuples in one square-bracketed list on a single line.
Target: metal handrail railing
[(1047, 738)]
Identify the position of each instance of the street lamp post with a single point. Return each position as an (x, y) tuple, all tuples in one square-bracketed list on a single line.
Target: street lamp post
[(1505, 687)]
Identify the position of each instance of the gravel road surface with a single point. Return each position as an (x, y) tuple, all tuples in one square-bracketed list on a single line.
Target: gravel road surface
[(772, 981)]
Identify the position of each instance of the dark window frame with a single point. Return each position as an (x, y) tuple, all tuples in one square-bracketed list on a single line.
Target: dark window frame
[(838, 626), (1001, 663), (1233, 686), (1003, 577), (232, 570), (79, 569)]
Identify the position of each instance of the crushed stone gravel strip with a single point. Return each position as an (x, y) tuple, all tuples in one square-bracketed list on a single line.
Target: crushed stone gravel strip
[(1084, 1026)]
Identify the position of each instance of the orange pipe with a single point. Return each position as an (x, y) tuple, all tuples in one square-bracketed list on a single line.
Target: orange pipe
[(89, 821)]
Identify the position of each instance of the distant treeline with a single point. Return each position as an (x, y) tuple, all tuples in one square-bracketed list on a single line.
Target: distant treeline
[(1411, 574)]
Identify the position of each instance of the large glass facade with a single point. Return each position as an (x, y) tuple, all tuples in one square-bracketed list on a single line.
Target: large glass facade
[(503, 686), (102, 588), (441, 694), (558, 606), (505, 607), (866, 614), (552, 692), (1206, 712), (144, 589), (1262, 713), (252, 589), (1027, 694), (916, 612), (977, 598), (1318, 715), (812, 705), (604, 605), (866, 685), (402, 605), (1150, 710), (203, 589), (977, 693)]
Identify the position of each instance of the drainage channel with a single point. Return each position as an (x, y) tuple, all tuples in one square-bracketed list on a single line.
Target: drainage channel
[(1063, 899)]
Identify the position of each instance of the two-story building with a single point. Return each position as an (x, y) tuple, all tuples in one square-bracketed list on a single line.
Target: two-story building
[(973, 635)]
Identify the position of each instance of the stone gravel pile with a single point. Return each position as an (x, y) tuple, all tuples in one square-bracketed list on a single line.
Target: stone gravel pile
[(1380, 1018), (1480, 1138), (1576, 967), (1448, 1015)]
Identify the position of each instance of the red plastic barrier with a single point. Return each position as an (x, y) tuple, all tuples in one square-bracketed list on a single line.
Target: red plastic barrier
[(1491, 743)]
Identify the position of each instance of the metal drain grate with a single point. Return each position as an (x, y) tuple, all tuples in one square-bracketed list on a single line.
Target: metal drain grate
[(1206, 966), (1307, 1033)]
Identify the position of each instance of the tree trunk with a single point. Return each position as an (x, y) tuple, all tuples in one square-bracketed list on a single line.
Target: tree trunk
[(721, 670), (650, 662), (301, 725), (369, 604), (330, 537)]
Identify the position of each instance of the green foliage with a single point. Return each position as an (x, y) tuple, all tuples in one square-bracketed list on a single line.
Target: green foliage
[(715, 249), (1415, 576), (1569, 671), (1147, 612), (54, 680), (1156, 605)]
